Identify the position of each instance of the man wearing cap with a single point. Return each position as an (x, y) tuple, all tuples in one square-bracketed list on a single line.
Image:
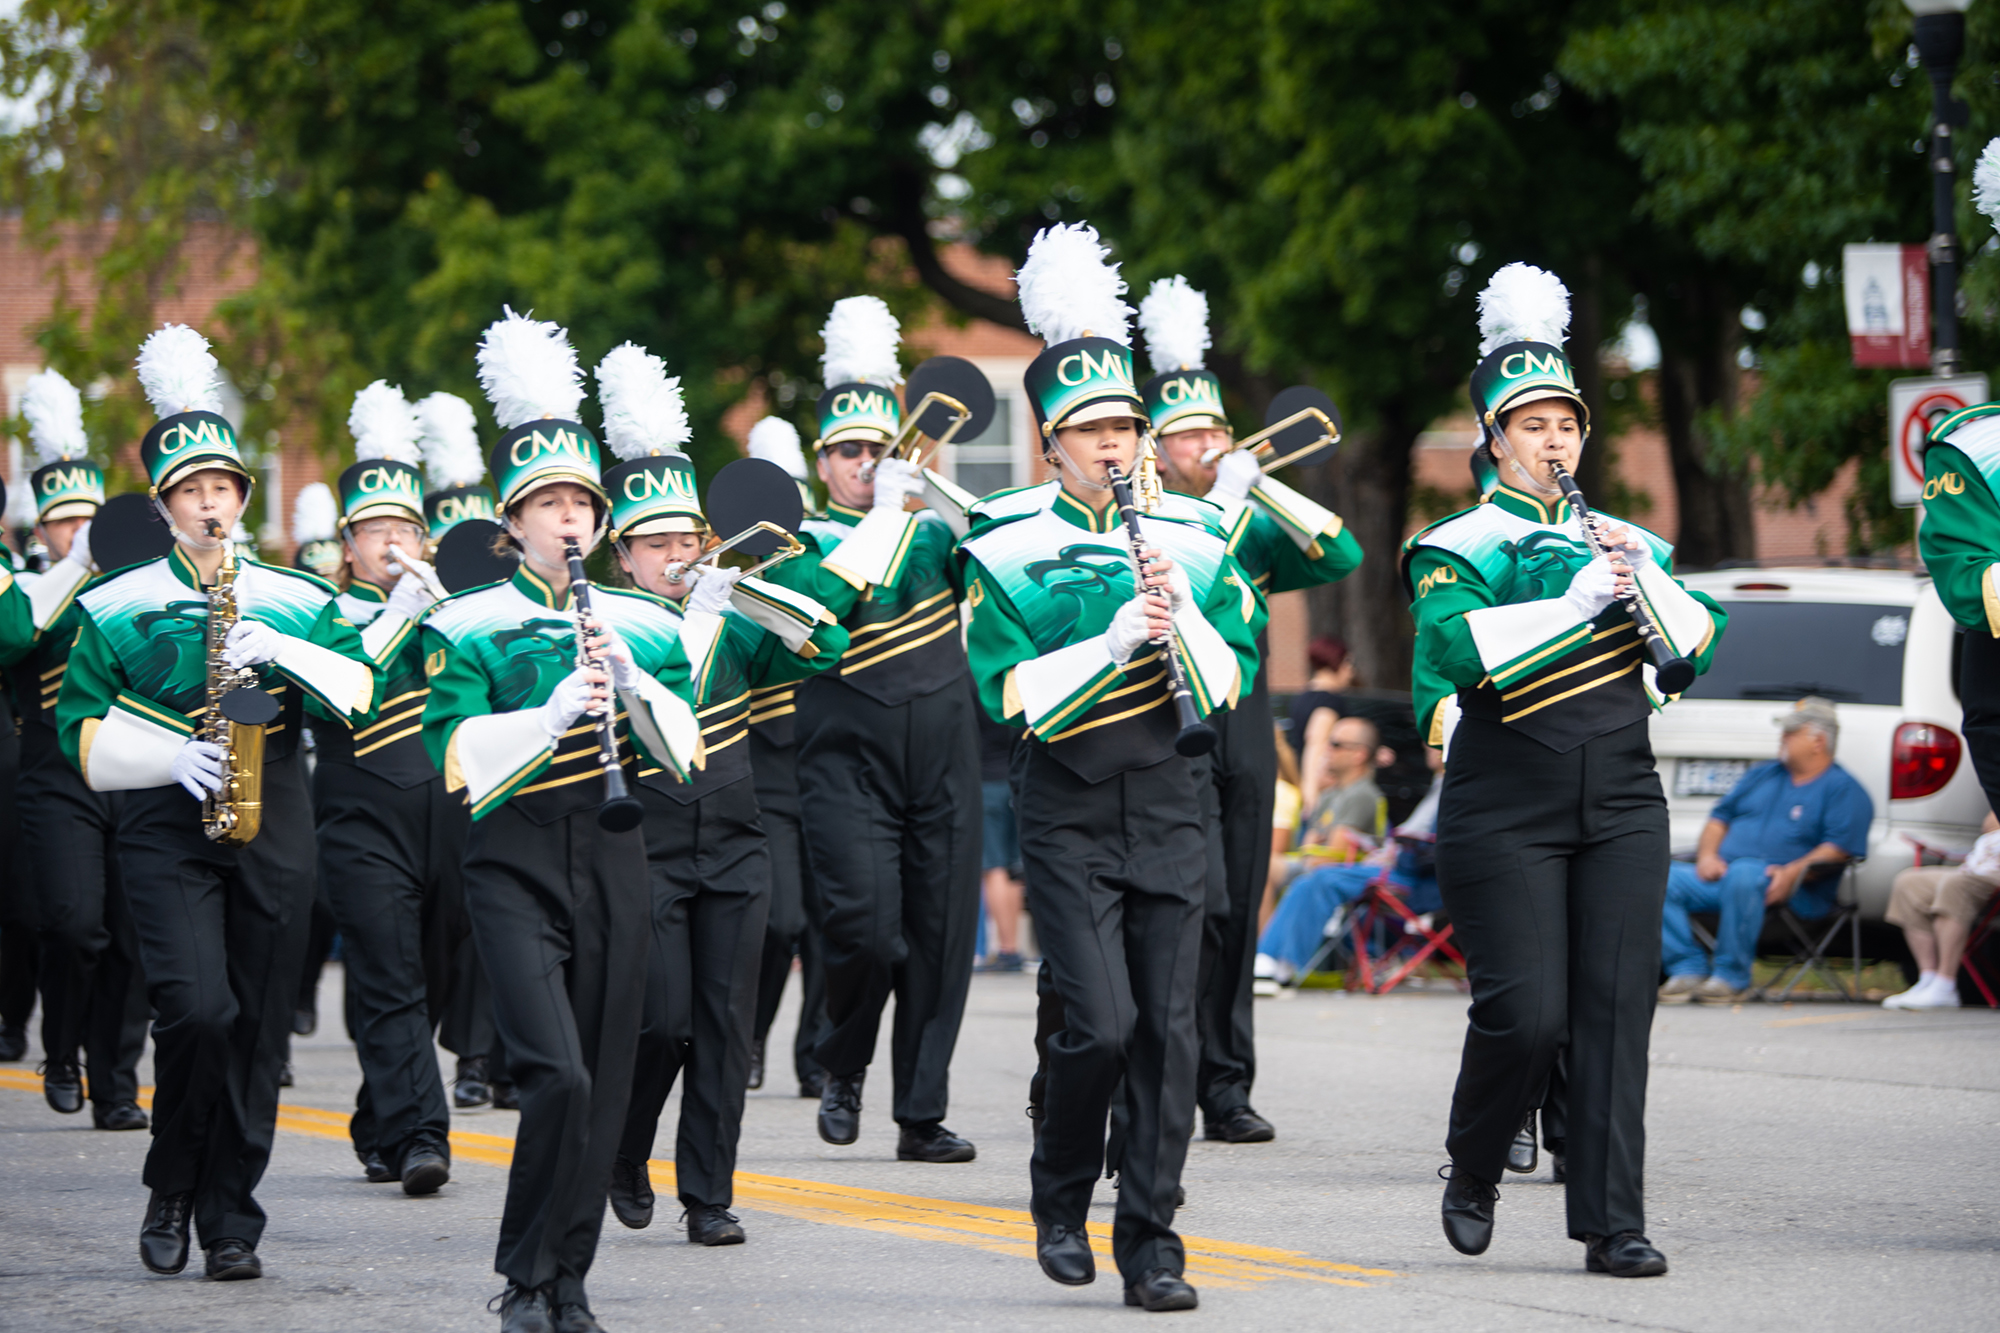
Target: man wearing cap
[(390, 835), (705, 848), (1959, 540), (1779, 836), (221, 927), (1552, 828), (888, 756), (93, 996), (1284, 541), (556, 886)]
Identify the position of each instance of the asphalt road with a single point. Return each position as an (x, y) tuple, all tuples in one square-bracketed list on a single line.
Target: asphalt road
[(1823, 1166)]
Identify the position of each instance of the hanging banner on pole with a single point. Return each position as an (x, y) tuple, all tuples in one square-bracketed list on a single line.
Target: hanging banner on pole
[(1915, 405), (1888, 296)]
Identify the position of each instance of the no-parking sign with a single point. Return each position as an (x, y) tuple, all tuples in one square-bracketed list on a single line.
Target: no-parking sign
[(1915, 405)]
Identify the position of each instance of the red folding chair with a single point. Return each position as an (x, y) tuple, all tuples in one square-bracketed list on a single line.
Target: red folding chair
[(1390, 941)]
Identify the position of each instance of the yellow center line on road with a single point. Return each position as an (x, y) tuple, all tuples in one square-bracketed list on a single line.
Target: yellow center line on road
[(1818, 1018), (1009, 1231)]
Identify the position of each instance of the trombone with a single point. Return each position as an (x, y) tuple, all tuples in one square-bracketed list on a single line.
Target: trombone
[(1260, 443), (788, 546), (909, 442)]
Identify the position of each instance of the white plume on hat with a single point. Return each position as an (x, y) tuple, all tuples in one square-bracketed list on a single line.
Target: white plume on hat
[(1986, 182), (1523, 304), (861, 339), (1174, 318), (528, 370), (178, 372), (383, 424), (20, 513), (643, 410), (1069, 289), (776, 440), (448, 435), (314, 514), (54, 410)]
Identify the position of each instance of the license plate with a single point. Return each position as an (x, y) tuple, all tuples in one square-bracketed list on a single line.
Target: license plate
[(1707, 777)]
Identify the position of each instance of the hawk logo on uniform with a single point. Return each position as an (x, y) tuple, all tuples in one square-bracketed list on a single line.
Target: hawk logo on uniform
[(1073, 578), (532, 654), (171, 635), (1546, 562)]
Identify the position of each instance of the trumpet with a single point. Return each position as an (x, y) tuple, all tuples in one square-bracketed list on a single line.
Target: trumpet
[(620, 813), (424, 576), (1260, 443), (1197, 737)]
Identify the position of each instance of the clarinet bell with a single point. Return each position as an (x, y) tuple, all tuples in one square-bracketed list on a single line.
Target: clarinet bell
[(1195, 741), (621, 814), (1674, 675)]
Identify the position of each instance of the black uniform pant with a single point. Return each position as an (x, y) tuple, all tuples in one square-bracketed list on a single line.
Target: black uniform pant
[(1245, 767), (20, 951), (560, 912), (793, 927), (389, 862), (890, 796), (711, 883), (1116, 878), (1979, 691), (220, 934), (93, 991), (1554, 869)]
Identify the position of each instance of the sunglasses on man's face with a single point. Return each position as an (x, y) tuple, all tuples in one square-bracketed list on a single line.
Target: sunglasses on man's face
[(855, 448)]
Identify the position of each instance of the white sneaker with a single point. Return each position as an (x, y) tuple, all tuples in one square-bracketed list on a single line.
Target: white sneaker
[(1939, 994), (1266, 968), (1901, 999)]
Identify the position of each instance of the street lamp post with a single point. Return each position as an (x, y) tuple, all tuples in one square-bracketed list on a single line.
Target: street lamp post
[(1940, 40)]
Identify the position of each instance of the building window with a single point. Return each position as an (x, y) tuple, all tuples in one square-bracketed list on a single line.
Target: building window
[(986, 464)]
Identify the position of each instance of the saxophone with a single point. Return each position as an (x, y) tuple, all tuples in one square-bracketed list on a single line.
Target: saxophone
[(232, 816)]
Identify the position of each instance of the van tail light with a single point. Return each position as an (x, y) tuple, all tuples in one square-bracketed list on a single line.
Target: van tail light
[(1924, 758)]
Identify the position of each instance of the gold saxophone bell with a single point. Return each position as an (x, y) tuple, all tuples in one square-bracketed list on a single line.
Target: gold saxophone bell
[(232, 815)]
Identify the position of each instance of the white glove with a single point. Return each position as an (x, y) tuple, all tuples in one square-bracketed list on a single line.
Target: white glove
[(569, 701), (409, 598), (713, 587), (251, 643), (198, 768), (1127, 632), (1638, 552), (617, 658), (896, 479), (1591, 590), (1236, 475), (79, 548), (1178, 591)]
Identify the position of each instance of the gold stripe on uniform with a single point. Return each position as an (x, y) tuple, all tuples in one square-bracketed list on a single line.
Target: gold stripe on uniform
[(849, 666), (1541, 681), (886, 626)]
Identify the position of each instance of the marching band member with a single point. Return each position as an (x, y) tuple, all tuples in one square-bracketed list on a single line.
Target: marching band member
[(221, 927), (710, 871), (1066, 647), (1284, 541), (93, 995), (559, 904), (1552, 830), (794, 924), (888, 756), (390, 836)]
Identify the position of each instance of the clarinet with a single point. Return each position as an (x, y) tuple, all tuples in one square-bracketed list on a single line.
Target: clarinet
[(1197, 737), (1674, 673), (619, 813)]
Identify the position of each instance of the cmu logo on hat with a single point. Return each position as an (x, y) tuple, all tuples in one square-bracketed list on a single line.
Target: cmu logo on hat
[(56, 480), (1529, 363), (644, 483), (534, 444), (1180, 389), (202, 432), (1107, 365), (457, 508), (851, 402), (400, 481)]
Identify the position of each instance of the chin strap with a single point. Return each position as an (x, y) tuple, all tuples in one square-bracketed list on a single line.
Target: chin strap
[(1083, 478), (1529, 477)]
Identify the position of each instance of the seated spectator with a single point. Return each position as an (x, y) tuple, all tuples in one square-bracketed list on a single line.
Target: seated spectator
[(1345, 820), (1780, 835), (1936, 906), (1322, 702), (1297, 927)]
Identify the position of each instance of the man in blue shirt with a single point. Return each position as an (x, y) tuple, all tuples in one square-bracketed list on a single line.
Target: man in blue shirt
[(1778, 836)]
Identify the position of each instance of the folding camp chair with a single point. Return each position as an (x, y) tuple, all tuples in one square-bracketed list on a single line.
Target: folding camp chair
[(1811, 939), (1390, 941)]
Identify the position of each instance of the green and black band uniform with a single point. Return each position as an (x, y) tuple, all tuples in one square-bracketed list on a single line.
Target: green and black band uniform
[(1113, 840), (889, 789), (221, 930), (794, 925), (710, 872), (1552, 832), (559, 906), (1959, 540)]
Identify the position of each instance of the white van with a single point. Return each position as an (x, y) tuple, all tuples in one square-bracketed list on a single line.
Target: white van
[(1879, 644)]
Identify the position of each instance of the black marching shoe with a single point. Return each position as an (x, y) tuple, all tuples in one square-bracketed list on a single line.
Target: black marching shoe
[(470, 1089), (425, 1170), (712, 1224), (840, 1108), (1064, 1253), (305, 1022), (756, 1079), (1522, 1155), (1624, 1254), (1468, 1210), (932, 1143), (232, 1260), (1558, 1168), (576, 1319), (163, 1239), (523, 1309), (1160, 1290), (285, 1079), (631, 1193), (812, 1084), (378, 1171), (506, 1096), (118, 1115), (1241, 1125), (62, 1086), (13, 1043)]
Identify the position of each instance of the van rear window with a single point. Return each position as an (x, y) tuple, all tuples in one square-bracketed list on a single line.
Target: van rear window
[(1848, 652)]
